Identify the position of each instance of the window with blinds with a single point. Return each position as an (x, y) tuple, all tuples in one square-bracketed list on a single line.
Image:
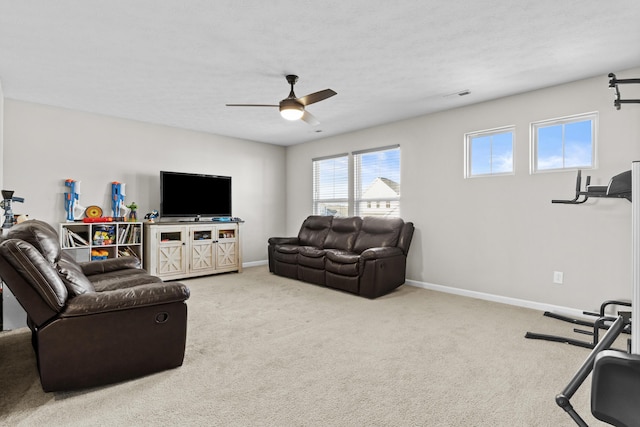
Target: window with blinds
[(363, 183), (331, 185), (377, 182)]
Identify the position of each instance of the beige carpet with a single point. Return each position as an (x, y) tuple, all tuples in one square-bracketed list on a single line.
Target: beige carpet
[(268, 351)]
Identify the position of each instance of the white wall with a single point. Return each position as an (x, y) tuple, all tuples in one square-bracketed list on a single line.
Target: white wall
[(46, 145), (498, 235), (502, 235)]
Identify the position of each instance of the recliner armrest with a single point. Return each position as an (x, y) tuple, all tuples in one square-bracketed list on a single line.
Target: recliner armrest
[(111, 264), (122, 299), (377, 253), (283, 240)]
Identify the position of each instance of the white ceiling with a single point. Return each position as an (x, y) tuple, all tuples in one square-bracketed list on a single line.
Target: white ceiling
[(178, 62)]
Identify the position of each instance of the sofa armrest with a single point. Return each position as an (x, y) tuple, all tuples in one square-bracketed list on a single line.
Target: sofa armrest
[(283, 240), (122, 299), (377, 253), (111, 264)]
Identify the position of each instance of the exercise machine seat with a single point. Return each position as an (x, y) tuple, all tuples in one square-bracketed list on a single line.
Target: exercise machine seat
[(615, 388)]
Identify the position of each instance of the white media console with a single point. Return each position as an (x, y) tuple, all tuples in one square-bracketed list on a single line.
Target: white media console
[(175, 250)]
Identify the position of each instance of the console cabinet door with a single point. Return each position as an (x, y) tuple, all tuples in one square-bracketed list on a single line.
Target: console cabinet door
[(202, 249), (171, 256), (227, 248)]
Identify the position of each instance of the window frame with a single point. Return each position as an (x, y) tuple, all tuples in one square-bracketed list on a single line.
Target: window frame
[(358, 193), (317, 201), (468, 152), (353, 196), (574, 118)]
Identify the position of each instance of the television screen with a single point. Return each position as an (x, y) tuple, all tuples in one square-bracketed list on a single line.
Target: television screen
[(193, 195)]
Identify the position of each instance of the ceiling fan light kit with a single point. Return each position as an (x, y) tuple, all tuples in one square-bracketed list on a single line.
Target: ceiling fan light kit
[(292, 108)]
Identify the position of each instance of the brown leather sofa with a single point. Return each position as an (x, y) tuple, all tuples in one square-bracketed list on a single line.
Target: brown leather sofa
[(92, 323), (365, 256)]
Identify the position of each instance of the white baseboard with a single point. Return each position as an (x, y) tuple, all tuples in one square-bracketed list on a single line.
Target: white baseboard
[(254, 263), (498, 298), (568, 311)]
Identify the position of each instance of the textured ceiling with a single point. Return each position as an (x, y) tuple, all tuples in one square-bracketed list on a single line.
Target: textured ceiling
[(179, 62)]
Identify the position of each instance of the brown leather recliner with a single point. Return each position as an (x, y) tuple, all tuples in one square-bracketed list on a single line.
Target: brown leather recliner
[(366, 256), (92, 323)]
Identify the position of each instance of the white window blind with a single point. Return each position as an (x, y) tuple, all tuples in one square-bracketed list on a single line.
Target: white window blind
[(377, 182), (331, 185)]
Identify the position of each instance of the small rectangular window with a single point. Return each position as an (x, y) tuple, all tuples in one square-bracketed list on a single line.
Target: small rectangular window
[(564, 143), (489, 152)]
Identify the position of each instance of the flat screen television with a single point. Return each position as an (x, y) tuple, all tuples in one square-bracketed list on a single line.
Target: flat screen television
[(194, 195)]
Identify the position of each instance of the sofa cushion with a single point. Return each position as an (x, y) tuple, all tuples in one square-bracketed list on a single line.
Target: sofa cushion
[(311, 252), (121, 279), (311, 257), (343, 233), (378, 232), (288, 249), (73, 277), (350, 270), (90, 268), (314, 230), (286, 253), (40, 235), (342, 262), (37, 271), (343, 257)]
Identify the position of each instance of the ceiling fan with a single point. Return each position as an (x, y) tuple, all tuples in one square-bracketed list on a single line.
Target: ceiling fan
[(292, 108)]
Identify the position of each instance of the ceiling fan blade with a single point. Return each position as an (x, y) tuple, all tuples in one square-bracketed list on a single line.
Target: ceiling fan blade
[(251, 105), (310, 118), (316, 97)]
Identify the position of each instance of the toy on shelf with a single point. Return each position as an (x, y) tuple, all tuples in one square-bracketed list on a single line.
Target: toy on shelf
[(98, 219), (99, 254), (71, 205), (104, 235), (117, 199), (151, 216), (93, 211), (133, 212), (7, 198)]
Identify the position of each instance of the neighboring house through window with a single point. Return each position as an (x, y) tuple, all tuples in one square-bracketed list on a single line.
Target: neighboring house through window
[(377, 182)]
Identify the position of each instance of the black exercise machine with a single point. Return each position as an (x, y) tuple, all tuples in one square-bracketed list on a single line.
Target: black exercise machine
[(619, 187), (614, 82), (615, 383), (603, 321)]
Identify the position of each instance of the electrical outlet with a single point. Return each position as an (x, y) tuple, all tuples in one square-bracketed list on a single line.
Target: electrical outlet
[(558, 277)]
